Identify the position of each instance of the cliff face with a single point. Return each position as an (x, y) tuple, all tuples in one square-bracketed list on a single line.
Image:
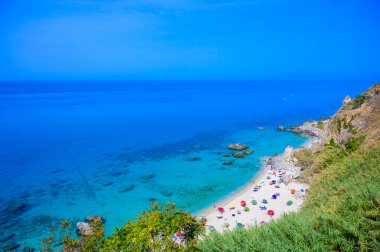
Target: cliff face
[(356, 122)]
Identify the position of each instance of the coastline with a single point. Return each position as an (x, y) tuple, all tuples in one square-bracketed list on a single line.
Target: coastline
[(272, 168), (238, 192)]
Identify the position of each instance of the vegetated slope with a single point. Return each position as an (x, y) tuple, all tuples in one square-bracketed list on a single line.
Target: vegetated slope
[(357, 120), (342, 210)]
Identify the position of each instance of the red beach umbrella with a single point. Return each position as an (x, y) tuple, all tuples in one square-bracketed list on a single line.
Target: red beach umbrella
[(243, 203), (221, 209), (270, 212)]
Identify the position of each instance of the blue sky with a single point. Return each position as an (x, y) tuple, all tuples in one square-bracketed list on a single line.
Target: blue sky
[(195, 39)]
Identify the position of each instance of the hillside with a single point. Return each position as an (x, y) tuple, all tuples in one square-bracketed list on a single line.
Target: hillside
[(342, 209), (357, 119)]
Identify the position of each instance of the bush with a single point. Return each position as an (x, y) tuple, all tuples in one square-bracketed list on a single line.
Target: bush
[(358, 101), (152, 231)]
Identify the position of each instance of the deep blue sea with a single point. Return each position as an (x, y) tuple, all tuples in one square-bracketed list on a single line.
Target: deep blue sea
[(73, 149)]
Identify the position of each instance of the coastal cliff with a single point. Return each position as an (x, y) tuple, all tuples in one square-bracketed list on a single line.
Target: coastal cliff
[(357, 120)]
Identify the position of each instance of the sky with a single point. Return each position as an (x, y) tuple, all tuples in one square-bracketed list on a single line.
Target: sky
[(194, 39)]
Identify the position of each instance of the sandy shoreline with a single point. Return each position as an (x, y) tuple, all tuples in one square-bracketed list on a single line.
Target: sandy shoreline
[(236, 193), (274, 188)]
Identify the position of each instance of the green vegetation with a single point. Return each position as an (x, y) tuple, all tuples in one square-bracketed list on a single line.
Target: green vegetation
[(341, 213), (358, 101), (320, 125), (151, 231)]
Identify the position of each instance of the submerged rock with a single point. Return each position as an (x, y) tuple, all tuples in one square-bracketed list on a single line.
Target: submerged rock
[(166, 193), (226, 155), (151, 199), (84, 228), (15, 208), (228, 163), (127, 188), (193, 159), (238, 155), (248, 152), (10, 247), (28, 249), (238, 146), (146, 177), (7, 238)]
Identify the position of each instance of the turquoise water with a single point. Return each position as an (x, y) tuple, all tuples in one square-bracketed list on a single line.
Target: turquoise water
[(73, 149)]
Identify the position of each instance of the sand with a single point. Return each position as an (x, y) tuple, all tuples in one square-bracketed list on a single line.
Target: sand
[(230, 218)]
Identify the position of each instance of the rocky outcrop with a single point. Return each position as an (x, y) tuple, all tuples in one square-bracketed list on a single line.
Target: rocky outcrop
[(357, 120), (310, 128), (84, 229), (281, 128), (346, 100), (238, 155), (238, 147)]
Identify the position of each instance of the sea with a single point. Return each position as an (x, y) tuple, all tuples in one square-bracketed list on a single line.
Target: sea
[(71, 149)]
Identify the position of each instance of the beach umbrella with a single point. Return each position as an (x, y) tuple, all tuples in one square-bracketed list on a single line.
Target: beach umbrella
[(270, 212), (221, 209), (278, 181), (254, 202), (246, 209), (264, 201), (232, 207), (293, 191), (273, 181), (239, 225), (243, 203), (211, 228), (274, 196)]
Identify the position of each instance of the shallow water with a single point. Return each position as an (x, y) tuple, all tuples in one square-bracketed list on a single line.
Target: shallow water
[(72, 149)]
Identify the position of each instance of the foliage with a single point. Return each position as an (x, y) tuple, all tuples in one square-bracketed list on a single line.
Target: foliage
[(320, 125), (152, 231), (354, 143), (358, 101), (341, 213)]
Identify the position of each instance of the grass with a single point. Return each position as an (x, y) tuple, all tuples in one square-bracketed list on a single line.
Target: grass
[(341, 213)]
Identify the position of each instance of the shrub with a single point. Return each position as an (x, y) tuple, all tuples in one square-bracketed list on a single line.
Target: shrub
[(152, 231)]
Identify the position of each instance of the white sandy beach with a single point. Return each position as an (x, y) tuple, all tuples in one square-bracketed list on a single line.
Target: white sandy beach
[(234, 214)]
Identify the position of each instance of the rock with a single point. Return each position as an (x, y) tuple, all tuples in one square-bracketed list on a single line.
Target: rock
[(166, 193), (7, 238), (193, 159), (296, 173), (346, 100), (127, 188), (97, 219), (152, 199), (15, 208), (11, 247), (238, 155), (248, 152), (238, 147), (84, 228), (146, 177), (281, 128), (28, 249), (226, 155), (228, 163)]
